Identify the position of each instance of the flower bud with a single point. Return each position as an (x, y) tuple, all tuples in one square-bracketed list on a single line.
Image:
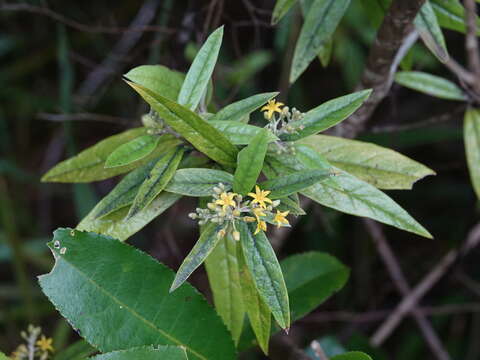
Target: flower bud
[(236, 235)]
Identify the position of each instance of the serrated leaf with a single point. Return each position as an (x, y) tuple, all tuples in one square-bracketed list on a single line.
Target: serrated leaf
[(203, 247), (379, 166), (429, 30), (239, 109), (320, 24), (166, 352), (239, 133), (263, 266), (250, 163), (327, 115), (191, 126), (115, 225), (451, 15), (352, 355), (223, 272), (430, 85), (106, 288), (159, 176), (132, 151), (200, 71), (471, 135), (159, 78), (198, 182), (280, 9)]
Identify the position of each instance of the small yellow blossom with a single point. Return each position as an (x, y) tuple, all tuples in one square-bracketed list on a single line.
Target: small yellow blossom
[(226, 200), (280, 218), (45, 344), (261, 225), (260, 197), (258, 211), (271, 107)]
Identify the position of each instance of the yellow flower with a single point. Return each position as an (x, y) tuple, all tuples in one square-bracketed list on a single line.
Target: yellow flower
[(271, 107), (226, 200), (260, 197), (258, 211), (261, 225), (45, 344), (280, 218)]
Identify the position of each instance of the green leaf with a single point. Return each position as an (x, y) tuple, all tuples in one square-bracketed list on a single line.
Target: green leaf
[(325, 52), (320, 24), (159, 78), (328, 114), (291, 204), (203, 247), (471, 134), (157, 179), (245, 68), (250, 163), (192, 127), (3, 356), (167, 352), (238, 110), (430, 84), (311, 278), (132, 151), (200, 71), (280, 9), (352, 355), (198, 182), (79, 350), (285, 185), (429, 30), (451, 15), (239, 133), (106, 288), (263, 266), (224, 277), (115, 225), (379, 166)]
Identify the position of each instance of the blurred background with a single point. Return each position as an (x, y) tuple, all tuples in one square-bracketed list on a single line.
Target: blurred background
[(62, 91)]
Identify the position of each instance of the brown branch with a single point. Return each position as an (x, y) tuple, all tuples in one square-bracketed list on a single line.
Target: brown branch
[(471, 42)]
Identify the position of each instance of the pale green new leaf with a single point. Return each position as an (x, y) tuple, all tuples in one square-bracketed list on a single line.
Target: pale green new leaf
[(471, 135), (106, 288), (132, 151), (327, 115), (320, 24), (198, 182), (379, 166), (209, 238), (238, 110), (239, 133), (267, 275), (352, 355), (280, 9), (430, 84), (451, 15), (200, 71), (166, 352), (191, 126), (250, 163), (159, 176)]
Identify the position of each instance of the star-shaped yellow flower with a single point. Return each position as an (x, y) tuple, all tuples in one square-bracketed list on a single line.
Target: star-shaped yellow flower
[(271, 107), (260, 197), (280, 218), (226, 200), (261, 225), (45, 344), (258, 211)]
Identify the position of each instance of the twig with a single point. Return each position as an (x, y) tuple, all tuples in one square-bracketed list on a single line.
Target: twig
[(468, 282), (317, 349), (471, 42), (85, 117)]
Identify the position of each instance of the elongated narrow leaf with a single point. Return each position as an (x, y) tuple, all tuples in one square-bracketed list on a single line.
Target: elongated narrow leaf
[(429, 30), (200, 71), (157, 179), (166, 352), (280, 9), (198, 182), (328, 114), (115, 225), (134, 150), (430, 84), (203, 247), (352, 355), (294, 182), (106, 288), (159, 78), (451, 15), (325, 52), (320, 24), (192, 127), (250, 163), (263, 266), (224, 278), (291, 204), (238, 110), (239, 133), (471, 135), (379, 166)]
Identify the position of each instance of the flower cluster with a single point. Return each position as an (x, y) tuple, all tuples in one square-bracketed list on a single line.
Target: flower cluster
[(282, 120), (228, 207), (37, 346)]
